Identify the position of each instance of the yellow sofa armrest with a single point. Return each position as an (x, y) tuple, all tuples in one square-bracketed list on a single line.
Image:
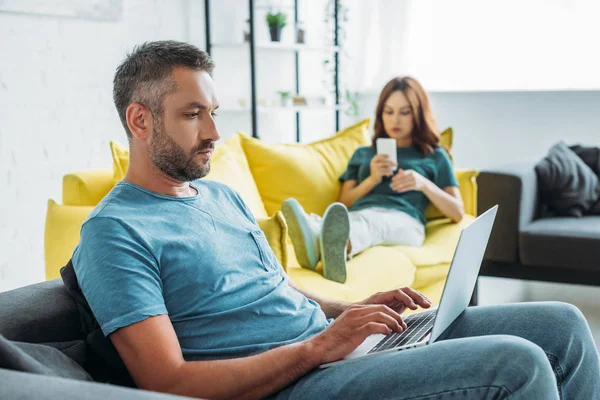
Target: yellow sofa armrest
[(87, 188), (467, 179)]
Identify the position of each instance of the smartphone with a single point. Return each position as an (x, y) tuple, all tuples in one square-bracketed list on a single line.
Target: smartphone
[(388, 147)]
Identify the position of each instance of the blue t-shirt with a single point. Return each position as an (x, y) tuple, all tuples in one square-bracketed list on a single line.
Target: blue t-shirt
[(202, 260), (435, 166)]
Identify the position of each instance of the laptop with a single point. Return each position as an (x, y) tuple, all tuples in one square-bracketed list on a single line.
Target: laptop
[(425, 327)]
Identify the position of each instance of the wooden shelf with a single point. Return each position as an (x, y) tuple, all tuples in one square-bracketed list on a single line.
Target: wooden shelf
[(275, 109), (280, 47)]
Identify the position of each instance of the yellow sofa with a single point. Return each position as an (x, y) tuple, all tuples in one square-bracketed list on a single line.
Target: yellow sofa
[(265, 175)]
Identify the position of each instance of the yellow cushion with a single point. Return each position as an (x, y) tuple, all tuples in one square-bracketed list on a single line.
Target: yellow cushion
[(229, 166), (120, 157), (275, 229), (308, 173), (63, 224), (376, 269), (441, 238), (430, 274), (447, 138), (87, 188)]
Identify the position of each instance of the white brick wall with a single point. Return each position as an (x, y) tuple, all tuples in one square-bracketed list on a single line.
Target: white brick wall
[(57, 115)]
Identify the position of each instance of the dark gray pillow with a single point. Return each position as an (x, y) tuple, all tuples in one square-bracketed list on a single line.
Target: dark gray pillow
[(105, 363), (590, 156), (43, 359), (568, 186)]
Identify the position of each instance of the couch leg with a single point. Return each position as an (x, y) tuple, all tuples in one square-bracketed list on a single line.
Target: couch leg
[(473, 301)]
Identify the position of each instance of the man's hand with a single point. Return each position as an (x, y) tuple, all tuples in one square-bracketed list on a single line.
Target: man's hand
[(407, 180), (400, 299), (351, 328)]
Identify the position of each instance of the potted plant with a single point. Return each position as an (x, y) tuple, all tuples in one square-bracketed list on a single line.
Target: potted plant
[(276, 21), (285, 98)]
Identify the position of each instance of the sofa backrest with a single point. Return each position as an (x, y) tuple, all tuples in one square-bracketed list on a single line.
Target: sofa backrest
[(40, 313)]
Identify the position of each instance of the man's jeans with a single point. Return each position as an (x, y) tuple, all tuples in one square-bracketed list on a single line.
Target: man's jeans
[(518, 351)]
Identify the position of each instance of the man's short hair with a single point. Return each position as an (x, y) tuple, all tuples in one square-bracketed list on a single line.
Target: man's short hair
[(145, 75)]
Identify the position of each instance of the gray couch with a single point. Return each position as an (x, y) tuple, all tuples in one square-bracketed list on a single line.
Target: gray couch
[(46, 313), (523, 245)]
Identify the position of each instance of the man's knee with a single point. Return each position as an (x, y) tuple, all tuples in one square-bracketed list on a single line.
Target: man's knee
[(521, 363), (567, 314), (562, 319)]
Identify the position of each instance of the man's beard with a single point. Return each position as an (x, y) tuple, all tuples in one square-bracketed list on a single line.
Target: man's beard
[(172, 160)]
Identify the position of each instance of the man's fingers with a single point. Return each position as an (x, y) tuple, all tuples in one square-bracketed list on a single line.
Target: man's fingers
[(374, 327), (381, 318), (417, 297), (407, 300), (371, 309)]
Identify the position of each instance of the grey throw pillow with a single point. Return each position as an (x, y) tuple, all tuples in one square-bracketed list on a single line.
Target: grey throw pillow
[(42, 359), (106, 364), (568, 186)]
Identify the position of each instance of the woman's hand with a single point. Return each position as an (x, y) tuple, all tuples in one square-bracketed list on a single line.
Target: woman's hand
[(380, 167), (407, 180)]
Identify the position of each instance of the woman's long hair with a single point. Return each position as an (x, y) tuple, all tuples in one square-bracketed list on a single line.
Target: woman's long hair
[(425, 133)]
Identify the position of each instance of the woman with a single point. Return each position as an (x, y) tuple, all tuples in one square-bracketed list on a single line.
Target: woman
[(387, 202)]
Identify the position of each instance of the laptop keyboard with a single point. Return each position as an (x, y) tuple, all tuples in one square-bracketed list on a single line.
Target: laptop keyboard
[(417, 326)]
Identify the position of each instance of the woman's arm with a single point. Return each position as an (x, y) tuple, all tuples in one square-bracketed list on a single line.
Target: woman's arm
[(352, 191), (448, 200)]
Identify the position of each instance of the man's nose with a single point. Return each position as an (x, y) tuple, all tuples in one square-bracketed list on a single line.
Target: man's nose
[(212, 133)]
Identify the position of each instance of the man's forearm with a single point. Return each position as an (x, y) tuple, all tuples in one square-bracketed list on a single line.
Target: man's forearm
[(246, 378)]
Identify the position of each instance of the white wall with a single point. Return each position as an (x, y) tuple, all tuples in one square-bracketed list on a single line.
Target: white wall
[(474, 45), (57, 115)]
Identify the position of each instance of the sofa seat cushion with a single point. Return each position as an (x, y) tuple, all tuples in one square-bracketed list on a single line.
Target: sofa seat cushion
[(441, 238), (377, 269), (307, 172), (561, 242), (51, 359), (430, 274)]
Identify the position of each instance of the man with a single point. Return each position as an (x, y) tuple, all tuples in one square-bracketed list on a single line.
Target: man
[(184, 283)]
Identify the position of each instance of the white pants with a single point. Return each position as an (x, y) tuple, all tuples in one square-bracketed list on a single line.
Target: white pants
[(383, 226)]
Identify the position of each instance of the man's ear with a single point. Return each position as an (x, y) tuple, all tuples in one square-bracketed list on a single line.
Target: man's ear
[(139, 120)]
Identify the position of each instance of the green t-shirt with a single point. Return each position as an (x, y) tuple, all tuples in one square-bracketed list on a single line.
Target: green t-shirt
[(435, 166)]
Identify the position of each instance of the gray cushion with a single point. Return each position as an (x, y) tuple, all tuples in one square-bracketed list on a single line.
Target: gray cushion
[(568, 186), (562, 242), (107, 365), (42, 359), (23, 386), (590, 156), (43, 312)]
